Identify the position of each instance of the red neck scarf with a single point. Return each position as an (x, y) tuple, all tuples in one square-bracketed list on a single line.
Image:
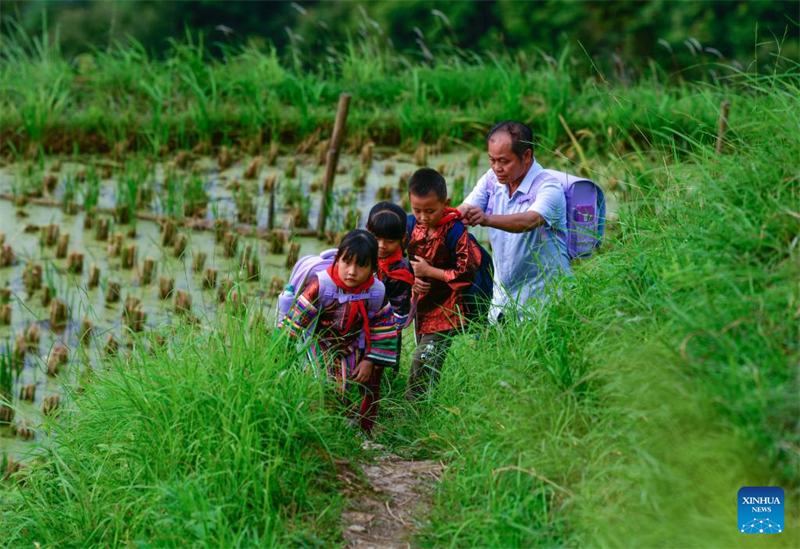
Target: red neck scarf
[(354, 307), (399, 274), (450, 214)]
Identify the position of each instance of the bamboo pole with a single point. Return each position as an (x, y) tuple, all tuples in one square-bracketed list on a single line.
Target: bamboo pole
[(332, 158)]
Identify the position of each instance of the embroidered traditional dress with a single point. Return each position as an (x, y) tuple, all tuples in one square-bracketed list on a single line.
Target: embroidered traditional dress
[(343, 336)]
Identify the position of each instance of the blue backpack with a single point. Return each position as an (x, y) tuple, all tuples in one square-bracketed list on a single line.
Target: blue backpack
[(478, 297)]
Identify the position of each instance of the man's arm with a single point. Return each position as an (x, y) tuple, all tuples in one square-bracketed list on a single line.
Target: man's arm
[(514, 223), (545, 210), (510, 223)]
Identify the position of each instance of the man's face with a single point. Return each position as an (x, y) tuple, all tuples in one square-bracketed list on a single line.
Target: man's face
[(428, 209), (506, 165)]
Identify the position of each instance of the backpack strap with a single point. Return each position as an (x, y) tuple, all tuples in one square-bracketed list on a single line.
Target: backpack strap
[(411, 222), (451, 238), (329, 292)]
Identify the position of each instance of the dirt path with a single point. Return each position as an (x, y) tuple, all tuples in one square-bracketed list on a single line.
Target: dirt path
[(381, 514)]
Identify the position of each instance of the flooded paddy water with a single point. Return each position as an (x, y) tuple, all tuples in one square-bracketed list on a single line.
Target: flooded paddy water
[(95, 250)]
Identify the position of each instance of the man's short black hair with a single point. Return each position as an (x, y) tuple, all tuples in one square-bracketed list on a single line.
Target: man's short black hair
[(521, 136), (387, 220), (426, 181), (362, 246)]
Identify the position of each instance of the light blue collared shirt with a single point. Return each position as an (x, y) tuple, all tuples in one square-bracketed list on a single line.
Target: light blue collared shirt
[(530, 264)]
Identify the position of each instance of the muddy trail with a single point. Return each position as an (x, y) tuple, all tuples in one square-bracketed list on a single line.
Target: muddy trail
[(387, 504)]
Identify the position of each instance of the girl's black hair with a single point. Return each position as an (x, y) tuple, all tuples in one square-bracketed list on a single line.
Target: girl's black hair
[(362, 246), (387, 220)]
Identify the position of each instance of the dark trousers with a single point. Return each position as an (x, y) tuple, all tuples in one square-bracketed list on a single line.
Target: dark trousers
[(426, 366)]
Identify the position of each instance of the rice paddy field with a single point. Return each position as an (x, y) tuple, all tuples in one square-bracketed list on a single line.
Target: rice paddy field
[(151, 211)]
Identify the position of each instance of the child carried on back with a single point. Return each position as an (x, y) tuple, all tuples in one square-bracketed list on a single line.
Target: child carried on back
[(354, 330)]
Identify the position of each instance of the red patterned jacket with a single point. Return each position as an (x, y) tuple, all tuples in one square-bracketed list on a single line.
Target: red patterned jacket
[(440, 309)]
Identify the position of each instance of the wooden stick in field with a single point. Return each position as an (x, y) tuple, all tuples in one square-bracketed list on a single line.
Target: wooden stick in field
[(332, 159), (722, 126)]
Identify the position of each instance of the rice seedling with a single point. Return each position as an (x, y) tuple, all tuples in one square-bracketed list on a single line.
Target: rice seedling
[(225, 287), (23, 430), (49, 234), (6, 255), (111, 345), (385, 192), (290, 171), (148, 269), (359, 178), (47, 295), (272, 155), (421, 155), (224, 158), (245, 208), (253, 168), (20, 350), (366, 155), (276, 285), (58, 357), (196, 198), (33, 334), (75, 262), (128, 256), (198, 262), (181, 242), (167, 233), (51, 404), (292, 255), (32, 276), (210, 279), (276, 240), (63, 246), (231, 244), (5, 314), (166, 287), (101, 229), (183, 302), (59, 314), (27, 393), (85, 333), (113, 293)]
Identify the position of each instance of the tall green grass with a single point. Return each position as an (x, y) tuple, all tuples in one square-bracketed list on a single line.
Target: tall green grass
[(638, 403), (215, 439), (188, 97)]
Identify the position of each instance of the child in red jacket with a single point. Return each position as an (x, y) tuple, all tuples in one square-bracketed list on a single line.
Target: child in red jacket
[(441, 275)]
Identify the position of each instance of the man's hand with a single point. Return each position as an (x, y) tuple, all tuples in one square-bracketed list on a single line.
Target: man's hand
[(363, 371), (421, 287), (472, 215)]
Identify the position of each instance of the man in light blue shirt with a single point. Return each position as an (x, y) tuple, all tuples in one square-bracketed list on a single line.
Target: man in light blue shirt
[(526, 213)]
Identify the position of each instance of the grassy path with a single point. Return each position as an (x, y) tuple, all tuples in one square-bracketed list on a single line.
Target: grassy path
[(384, 509)]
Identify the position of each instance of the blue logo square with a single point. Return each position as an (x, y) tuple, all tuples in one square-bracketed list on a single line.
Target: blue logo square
[(761, 510)]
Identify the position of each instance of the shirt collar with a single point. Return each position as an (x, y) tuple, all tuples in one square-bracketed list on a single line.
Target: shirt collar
[(525, 187)]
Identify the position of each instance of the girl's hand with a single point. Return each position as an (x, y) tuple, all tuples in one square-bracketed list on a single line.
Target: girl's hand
[(363, 371), (420, 266)]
